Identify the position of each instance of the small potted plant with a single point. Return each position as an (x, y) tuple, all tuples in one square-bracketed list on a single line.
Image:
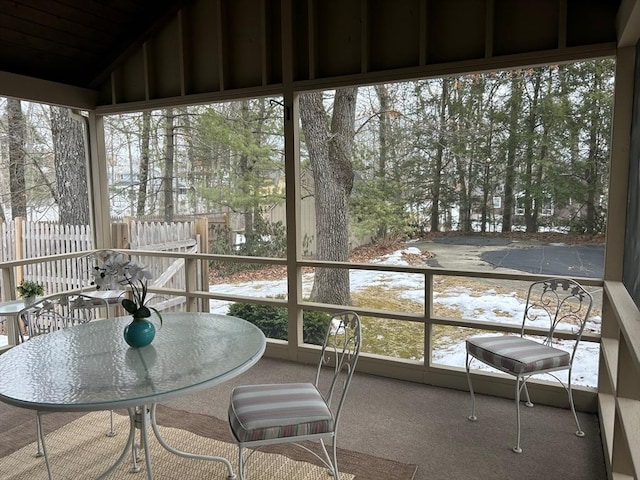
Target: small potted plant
[(29, 290)]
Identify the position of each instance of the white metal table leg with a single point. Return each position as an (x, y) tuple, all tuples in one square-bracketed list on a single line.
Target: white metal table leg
[(142, 423), (140, 419), (44, 446), (129, 445), (169, 448), (38, 436), (111, 432)]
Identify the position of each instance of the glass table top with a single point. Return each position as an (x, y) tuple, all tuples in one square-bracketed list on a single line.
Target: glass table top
[(90, 367), (14, 307)]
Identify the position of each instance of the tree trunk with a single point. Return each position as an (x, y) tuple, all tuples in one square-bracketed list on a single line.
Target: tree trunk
[(486, 177), (530, 187), (143, 179), (167, 181), (437, 168), (464, 202), (384, 131), (191, 162), (17, 185), (246, 171), (384, 140), (71, 167), (330, 154), (484, 212), (591, 173), (512, 143)]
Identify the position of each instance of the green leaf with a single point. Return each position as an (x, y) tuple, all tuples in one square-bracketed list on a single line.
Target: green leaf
[(142, 312), (159, 315), (129, 305)]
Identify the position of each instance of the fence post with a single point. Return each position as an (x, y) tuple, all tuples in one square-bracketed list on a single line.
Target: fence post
[(120, 235), (10, 323), (202, 231), (194, 304), (9, 282)]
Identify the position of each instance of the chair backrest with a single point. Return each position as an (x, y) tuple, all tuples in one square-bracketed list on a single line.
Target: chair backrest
[(338, 359), (61, 310), (557, 304)]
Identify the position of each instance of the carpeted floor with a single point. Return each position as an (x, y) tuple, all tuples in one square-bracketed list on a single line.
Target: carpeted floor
[(428, 426), (80, 449), (409, 423)]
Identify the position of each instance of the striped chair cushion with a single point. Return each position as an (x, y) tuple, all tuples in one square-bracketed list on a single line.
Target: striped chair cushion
[(264, 412), (516, 355)]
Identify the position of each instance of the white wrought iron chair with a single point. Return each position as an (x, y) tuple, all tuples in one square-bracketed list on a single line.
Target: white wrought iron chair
[(61, 310), (553, 305), (292, 412), (55, 312), (70, 308), (80, 302)]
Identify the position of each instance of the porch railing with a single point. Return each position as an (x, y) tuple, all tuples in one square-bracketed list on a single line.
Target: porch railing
[(617, 398)]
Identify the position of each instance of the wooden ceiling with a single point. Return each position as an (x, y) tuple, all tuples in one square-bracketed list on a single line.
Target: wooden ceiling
[(126, 55), (75, 42)]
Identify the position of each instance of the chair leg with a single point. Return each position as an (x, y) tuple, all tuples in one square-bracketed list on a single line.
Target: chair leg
[(240, 463), (579, 432), (472, 417), (526, 392), (111, 432), (44, 445), (517, 448), (336, 474), (331, 461), (38, 436)]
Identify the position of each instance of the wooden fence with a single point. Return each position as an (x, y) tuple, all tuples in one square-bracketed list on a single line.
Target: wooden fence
[(169, 237), (21, 239)]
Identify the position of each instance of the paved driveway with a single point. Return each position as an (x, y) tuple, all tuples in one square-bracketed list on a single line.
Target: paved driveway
[(477, 252), (571, 260)]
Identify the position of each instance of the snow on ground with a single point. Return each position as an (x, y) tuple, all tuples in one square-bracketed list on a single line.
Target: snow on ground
[(489, 306)]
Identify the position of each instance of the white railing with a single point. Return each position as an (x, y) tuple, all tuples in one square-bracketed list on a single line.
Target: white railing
[(423, 371), (617, 398)]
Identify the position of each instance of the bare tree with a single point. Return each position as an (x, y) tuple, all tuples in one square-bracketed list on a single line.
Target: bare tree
[(330, 147)]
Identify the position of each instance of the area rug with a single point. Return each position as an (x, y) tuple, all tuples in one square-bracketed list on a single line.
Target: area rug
[(81, 450)]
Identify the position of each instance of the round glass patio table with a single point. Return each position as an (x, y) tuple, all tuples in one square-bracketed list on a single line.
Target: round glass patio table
[(14, 309), (89, 367)]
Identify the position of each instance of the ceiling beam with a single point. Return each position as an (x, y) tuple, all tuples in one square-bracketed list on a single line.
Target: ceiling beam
[(44, 91)]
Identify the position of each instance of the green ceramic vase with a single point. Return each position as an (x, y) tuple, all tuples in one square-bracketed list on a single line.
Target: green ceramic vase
[(139, 333)]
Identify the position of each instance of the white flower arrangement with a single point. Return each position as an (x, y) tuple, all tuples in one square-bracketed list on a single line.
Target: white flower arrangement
[(119, 271)]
